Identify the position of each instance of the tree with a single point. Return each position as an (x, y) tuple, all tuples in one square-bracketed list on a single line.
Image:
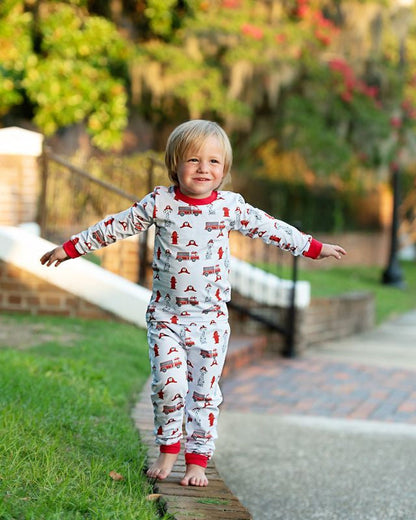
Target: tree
[(64, 65), (286, 78), (289, 76)]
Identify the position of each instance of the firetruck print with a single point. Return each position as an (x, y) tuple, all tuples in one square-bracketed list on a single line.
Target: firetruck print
[(211, 269), (184, 300), (171, 408), (184, 255), (188, 210), (209, 226), (209, 353), (99, 237), (167, 365), (214, 308), (200, 434), (196, 396)]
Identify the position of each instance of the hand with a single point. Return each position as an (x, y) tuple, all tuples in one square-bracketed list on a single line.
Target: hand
[(57, 256), (332, 250)]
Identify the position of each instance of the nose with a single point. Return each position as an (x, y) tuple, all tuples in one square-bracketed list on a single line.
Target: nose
[(203, 166)]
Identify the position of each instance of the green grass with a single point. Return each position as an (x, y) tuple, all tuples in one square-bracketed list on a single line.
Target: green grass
[(389, 301), (65, 422)]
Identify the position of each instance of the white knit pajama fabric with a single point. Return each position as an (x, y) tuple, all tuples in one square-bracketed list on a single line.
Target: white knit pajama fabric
[(187, 315), (186, 363)]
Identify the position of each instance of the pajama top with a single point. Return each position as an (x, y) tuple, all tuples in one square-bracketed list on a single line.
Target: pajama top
[(191, 258)]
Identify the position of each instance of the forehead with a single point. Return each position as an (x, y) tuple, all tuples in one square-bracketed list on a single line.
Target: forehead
[(208, 144)]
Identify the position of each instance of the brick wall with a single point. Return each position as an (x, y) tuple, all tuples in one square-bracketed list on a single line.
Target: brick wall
[(19, 193), (325, 319), (22, 292), (336, 317)]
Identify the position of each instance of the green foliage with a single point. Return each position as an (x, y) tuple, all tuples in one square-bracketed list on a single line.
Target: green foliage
[(305, 129), (287, 70), (78, 74), (15, 53), (161, 14)]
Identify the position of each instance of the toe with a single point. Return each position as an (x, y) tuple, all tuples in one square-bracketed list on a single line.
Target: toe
[(184, 481)]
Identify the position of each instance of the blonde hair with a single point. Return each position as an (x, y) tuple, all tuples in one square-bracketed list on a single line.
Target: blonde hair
[(193, 134)]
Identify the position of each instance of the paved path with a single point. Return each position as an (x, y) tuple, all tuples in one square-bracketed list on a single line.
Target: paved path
[(330, 435)]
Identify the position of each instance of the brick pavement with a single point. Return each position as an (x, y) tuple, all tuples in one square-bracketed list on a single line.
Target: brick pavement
[(313, 386)]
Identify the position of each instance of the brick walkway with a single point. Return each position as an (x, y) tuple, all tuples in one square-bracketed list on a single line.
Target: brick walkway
[(258, 382), (322, 388), (216, 501)]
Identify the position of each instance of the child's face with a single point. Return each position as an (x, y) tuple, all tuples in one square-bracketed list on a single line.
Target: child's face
[(201, 171)]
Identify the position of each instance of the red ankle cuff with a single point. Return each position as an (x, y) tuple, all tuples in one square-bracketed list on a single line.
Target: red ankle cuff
[(196, 458), (171, 448)]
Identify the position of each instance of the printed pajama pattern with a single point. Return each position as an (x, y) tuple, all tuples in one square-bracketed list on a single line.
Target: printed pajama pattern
[(187, 362), (187, 315)]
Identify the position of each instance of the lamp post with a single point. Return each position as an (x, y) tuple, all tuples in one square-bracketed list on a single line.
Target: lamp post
[(393, 274)]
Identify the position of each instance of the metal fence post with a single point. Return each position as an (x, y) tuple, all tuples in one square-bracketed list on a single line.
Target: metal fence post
[(290, 347), (143, 237), (42, 209)]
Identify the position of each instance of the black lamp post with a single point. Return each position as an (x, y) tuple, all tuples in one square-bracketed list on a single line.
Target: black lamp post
[(393, 274)]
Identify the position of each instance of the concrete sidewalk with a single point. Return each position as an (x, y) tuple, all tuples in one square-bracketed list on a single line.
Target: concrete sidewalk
[(330, 435)]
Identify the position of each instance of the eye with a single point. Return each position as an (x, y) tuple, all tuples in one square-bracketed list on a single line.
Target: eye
[(193, 159)]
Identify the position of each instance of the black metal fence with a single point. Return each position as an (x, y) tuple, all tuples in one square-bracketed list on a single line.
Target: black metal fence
[(71, 199)]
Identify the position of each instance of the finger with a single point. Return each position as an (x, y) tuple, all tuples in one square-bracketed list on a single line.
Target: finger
[(339, 252), (51, 260), (44, 258)]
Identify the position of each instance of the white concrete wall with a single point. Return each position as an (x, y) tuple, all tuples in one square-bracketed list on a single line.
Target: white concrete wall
[(267, 288), (80, 277)]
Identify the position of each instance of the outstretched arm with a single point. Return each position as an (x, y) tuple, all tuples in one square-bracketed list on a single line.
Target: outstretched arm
[(56, 256), (332, 250)]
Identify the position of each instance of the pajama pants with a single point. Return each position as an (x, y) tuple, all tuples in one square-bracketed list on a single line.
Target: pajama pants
[(187, 362)]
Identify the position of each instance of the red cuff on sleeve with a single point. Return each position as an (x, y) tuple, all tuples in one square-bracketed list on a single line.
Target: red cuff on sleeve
[(70, 249), (171, 448), (196, 458), (314, 249)]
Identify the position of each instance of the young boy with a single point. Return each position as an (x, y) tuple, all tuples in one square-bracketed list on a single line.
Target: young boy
[(187, 316)]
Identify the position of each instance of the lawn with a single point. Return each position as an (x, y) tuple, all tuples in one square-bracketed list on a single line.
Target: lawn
[(389, 301), (66, 391)]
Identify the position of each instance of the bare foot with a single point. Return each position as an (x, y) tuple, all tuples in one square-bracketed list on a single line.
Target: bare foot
[(194, 476), (162, 466)]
